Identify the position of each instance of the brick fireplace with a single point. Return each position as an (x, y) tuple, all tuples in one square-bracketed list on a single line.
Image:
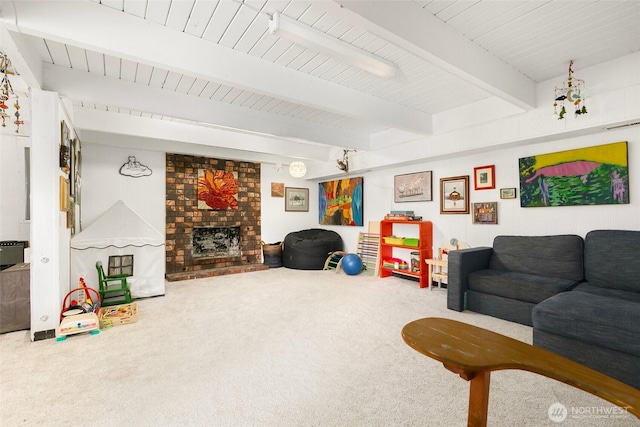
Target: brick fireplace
[(214, 230)]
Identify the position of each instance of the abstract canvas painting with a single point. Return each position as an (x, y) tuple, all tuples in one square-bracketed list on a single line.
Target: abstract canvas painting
[(340, 202), (217, 189), (596, 175)]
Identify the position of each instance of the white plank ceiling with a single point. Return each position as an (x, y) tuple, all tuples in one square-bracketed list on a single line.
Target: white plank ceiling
[(214, 64)]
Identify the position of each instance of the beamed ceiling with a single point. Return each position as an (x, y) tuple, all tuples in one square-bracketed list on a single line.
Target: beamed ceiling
[(181, 75)]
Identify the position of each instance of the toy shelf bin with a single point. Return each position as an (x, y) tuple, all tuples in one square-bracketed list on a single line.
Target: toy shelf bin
[(419, 246), (393, 240), (411, 241)]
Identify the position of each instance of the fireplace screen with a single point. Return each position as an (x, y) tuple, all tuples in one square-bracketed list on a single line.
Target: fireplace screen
[(216, 242)]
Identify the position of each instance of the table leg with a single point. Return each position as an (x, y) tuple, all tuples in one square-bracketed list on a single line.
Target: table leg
[(429, 273), (479, 399)]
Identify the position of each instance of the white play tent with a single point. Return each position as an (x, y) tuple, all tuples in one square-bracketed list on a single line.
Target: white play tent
[(120, 231)]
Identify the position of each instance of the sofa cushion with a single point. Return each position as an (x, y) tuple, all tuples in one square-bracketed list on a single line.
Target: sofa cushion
[(519, 286), (594, 319), (611, 259), (559, 256), (608, 292)]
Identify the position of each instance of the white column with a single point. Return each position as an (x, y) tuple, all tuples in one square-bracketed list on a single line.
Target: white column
[(46, 265)]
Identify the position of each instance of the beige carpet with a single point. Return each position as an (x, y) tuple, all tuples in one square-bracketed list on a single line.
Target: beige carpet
[(271, 348)]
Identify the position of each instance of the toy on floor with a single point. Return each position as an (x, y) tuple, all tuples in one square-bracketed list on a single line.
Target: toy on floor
[(80, 315), (334, 261), (351, 264)]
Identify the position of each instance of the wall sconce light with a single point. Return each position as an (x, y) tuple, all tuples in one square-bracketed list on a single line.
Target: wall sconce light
[(297, 169), (571, 91), (311, 38)]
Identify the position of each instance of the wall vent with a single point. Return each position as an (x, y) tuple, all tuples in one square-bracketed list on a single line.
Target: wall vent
[(625, 125)]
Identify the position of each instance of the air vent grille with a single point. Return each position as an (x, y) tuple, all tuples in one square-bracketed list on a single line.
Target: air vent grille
[(622, 126)]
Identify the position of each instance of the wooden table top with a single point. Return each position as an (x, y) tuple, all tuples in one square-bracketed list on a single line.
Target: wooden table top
[(467, 350)]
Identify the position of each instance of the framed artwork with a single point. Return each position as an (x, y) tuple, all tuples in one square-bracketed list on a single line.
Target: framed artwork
[(485, 213), (296, 199), (340, 202), (412, 187), (65, 149), (597, 175), (64, 194), (217, 189), (277, 189), (508, 193), (484, 177), (454, 195)]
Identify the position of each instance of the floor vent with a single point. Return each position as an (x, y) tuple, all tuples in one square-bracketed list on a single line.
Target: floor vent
[(43, 335)]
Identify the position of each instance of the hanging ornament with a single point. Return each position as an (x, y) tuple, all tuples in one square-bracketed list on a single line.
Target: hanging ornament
[(571, 90), (6, 92)]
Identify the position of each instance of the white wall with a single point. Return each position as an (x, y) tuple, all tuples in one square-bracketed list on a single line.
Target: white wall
[(276, 223), (512, 219), (12, 188), (102, 184)]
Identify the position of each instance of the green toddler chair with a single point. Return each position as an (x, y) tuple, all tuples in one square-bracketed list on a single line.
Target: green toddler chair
[(113, 289)]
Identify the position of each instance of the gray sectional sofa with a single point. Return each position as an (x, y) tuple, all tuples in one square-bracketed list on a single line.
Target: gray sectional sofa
[(598, 322), (510, 278), (582, 296)]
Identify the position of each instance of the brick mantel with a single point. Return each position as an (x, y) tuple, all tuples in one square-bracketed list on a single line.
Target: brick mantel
[(182, 214)]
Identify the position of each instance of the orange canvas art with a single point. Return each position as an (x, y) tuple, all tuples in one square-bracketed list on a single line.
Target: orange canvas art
[(217, 189)]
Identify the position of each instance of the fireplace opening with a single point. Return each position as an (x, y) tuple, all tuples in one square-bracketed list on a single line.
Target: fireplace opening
[(216, 242)]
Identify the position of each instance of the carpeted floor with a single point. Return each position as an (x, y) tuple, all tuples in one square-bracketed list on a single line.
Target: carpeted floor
[(271, 348)]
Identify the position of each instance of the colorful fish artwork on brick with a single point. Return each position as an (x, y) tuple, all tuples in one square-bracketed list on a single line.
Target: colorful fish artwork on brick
[(217, 189), (340, 202), (596, 175)]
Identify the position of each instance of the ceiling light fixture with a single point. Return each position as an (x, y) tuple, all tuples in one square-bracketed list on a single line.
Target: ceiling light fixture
[(311, 38), (297, 169), (571, 91)]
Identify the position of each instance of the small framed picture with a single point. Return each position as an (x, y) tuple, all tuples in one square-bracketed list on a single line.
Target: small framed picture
[(484, 177), (454, 195), (277, 189), (296, 199), (485, 213), (508, 193), (412, 187)]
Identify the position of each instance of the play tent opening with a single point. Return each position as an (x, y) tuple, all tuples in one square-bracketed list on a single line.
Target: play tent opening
[(120, 231)]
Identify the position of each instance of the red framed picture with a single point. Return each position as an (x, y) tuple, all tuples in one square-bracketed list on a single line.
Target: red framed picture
[(484, 177)]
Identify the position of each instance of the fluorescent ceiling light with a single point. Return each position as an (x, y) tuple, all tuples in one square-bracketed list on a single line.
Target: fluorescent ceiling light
[(311, 38)]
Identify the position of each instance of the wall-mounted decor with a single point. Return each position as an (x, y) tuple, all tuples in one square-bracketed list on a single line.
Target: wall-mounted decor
[(485, 213), (217, 189), (296, 199), (454, 195), (277, 189), (412, 187), (484, 177), (65, 148), (508, 193), (343, 164), (134, 168), (596, 175), (64, 194), (340, 202)]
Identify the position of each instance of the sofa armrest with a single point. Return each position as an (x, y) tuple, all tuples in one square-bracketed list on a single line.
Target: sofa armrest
[(461, 263)]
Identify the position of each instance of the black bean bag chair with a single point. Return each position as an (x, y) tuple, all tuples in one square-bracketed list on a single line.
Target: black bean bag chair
[(309, 249)]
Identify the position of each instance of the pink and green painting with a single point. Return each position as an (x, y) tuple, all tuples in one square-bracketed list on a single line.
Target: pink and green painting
[(596, 175)]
